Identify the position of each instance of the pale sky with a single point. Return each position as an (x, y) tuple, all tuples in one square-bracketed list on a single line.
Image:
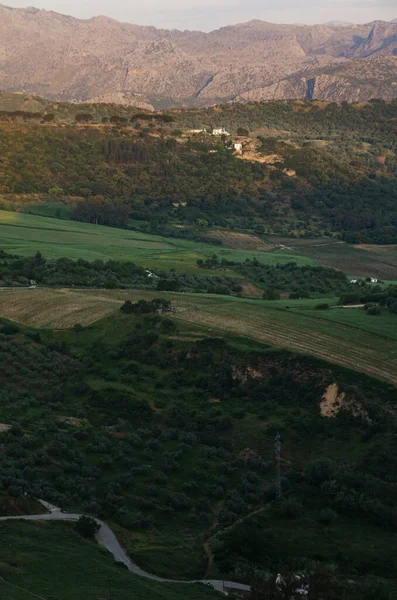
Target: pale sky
[(206, 15)]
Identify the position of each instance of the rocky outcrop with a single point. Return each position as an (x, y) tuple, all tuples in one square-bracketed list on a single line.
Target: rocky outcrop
[(381, 40), (101, 60)]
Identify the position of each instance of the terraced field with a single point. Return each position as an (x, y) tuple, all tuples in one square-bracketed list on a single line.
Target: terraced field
[(340, 343)]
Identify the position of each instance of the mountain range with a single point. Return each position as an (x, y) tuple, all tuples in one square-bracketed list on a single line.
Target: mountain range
[(102, 60)]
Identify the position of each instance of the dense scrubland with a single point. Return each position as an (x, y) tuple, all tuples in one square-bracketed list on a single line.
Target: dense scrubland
[(343, 157), (153, 400), (170, 436)]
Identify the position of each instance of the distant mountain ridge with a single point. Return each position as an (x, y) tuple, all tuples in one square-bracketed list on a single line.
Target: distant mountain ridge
[(102, 60)]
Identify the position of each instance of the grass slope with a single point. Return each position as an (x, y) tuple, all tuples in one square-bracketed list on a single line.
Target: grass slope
[(50, 560), (25, 234), (361, 347)]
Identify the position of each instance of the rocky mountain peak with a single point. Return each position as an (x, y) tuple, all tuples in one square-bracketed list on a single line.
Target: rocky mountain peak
[(62, 57)]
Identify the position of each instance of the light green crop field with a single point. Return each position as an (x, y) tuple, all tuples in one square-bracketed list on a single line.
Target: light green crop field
[(384, 324), (25, 234), (353, 347)]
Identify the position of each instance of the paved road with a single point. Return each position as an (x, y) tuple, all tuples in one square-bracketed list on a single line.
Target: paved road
[(108, 540)]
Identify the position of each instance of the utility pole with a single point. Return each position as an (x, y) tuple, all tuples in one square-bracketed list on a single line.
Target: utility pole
[(277, 452), (110, 589)]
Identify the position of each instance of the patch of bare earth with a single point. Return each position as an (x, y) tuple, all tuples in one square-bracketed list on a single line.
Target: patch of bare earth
[(251, 290), (239, 241), (72, 420), (4, 427), (333, 401), (247, 453)]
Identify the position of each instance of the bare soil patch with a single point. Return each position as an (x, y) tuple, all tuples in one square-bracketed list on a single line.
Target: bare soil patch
[(239, 241), (72, 420), (332, 401), (251, 290)]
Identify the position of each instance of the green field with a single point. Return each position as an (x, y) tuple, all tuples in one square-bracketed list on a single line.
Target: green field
[(26, 234), (367, 344), (362, 260), (384, 324), (51, 561)]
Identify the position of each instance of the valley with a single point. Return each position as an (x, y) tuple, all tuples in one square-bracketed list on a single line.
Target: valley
[(198, 343)]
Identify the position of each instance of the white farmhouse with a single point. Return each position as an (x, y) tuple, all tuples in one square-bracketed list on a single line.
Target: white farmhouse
[(374, 280), (353, 280), (220, 131)]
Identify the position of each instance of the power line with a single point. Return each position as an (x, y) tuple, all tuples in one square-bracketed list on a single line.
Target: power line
[(277, 452)]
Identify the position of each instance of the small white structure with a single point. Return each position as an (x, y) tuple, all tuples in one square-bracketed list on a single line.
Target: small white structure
[(353, 280), (374, 280), (32, 284), (197, 131), (238, 147), (150, 274), (220, 131)]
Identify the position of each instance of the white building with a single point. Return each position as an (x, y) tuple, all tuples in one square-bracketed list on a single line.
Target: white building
[(374, 280), (220, 131)]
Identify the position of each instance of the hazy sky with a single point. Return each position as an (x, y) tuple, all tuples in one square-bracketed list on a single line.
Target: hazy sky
[(211, 14)]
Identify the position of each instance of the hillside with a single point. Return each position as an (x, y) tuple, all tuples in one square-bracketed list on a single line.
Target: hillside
[(50, 560), (102, 60), (169, 434), (305, 168)]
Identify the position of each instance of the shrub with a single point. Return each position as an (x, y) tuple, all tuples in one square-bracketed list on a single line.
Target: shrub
[(327, 516), (87, 527), (9, 329), (322, 306), (373, 311), (319, 470), (291, 508)]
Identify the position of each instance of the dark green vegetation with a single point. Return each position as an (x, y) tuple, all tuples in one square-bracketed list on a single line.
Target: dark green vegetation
[(300, 282), (344, 158), (169, 435), (376, 297), (19, 271), (53, 561)]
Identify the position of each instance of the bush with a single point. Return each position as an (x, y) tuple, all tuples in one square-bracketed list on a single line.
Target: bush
[(373, 310), (322, 306), (9, 329), (319, 470), (327, 516), (87, 527), (271, 295), (291, 508)]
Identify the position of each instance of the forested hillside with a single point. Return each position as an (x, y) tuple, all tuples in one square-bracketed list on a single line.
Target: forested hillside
[(305, 167)]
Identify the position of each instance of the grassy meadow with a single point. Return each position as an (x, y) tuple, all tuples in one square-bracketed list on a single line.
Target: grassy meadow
[(25, 234), (351, 339), (50, 560)]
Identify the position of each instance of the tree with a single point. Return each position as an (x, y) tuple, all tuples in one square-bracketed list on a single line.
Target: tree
[(271, 295), (87, 527)]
